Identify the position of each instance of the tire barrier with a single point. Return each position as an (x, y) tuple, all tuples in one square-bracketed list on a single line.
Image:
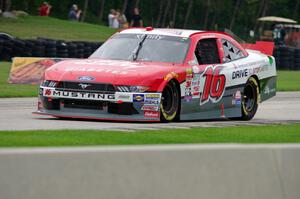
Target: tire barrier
[(287, 58), (43, 47)]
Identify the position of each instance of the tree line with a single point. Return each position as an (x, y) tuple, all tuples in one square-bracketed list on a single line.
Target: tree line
[(240, 16)]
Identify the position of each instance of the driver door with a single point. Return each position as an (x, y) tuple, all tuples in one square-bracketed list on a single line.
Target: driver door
[(207, 83)]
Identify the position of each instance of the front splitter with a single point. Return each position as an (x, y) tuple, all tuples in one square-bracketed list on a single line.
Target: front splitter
[(86, 117)]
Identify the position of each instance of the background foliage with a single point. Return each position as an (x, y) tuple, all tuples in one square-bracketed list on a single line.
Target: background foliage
[(238, 15)]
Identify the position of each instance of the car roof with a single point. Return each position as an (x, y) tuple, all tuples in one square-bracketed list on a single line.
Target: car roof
[(162, 31)]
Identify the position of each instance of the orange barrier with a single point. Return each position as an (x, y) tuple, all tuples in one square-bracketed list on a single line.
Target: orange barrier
[(265, 47), (30, 70)]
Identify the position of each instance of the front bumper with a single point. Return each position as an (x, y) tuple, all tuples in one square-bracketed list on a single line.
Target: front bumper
[(120, 106)]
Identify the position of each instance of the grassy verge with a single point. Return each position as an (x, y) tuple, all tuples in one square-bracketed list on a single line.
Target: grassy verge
[(242, 134), (14, 90), (34, 26), (287, 81)]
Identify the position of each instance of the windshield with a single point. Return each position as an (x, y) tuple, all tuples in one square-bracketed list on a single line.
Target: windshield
[(141, 47)]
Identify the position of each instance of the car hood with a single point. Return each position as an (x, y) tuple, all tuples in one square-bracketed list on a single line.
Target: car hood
[(111, 71)]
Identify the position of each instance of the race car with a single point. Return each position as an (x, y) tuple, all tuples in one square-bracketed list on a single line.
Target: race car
[(147, 74)]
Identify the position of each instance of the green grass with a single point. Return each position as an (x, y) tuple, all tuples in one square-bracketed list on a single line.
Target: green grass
[(287, 81), (242, 134), (14, 90), (34, 26)]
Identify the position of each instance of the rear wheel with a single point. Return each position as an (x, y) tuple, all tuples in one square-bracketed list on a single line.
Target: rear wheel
[(250, 99), (170, 103)]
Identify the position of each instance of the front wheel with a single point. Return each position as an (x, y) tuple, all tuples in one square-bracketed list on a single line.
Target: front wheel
[(250, 99), (170, 103)]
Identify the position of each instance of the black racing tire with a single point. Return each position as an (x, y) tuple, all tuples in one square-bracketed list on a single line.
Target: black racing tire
[(250, 99), (170, 103)]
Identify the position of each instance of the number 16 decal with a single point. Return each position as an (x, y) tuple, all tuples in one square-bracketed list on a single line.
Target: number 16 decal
[(214, 85)]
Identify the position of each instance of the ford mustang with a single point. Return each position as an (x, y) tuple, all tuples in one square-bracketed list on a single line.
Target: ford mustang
[(146, 74)]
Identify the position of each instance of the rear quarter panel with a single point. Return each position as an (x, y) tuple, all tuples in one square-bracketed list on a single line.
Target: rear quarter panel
[(256, 64)]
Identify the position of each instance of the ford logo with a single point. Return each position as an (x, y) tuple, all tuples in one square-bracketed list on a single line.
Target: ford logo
[(86, 78)]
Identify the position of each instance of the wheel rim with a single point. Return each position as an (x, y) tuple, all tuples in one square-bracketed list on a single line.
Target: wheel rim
[(169, 100), (249, 97)]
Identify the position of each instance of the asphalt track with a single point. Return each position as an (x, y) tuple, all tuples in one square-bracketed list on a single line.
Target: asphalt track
[(16, 114)]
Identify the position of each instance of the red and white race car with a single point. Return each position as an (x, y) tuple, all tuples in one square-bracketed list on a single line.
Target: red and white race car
[(151, 74)]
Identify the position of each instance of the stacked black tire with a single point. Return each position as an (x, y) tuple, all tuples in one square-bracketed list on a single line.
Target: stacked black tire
[(42, 47), (297, 59), (6, 47), (287, 58)]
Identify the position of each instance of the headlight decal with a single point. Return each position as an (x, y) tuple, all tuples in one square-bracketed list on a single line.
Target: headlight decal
[(137, 89)]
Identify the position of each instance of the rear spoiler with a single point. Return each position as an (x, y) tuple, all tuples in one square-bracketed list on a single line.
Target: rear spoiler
[(265, 47)]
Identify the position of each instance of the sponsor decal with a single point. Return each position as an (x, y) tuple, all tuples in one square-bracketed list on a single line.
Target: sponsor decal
[(151, 114), (237, 98), (240, 73), (126, 64), (189, 77), (188, 84), (248, 72), (41, 91), (251, 64), (86, 78), (196, 83), (258, 70), (174, 31), (138, 97), (188, 98), (152, 96), (152, 99), (127, 67), (152, 102), (123, 97), (193, 62), (78, 95), (170, 76), (271, 60), (96, 70), (269, 91), (222, 111), (188, 92), (196, 69), (154, 37), (150, 108), (196, 88), (196, 94), (189, 71)]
